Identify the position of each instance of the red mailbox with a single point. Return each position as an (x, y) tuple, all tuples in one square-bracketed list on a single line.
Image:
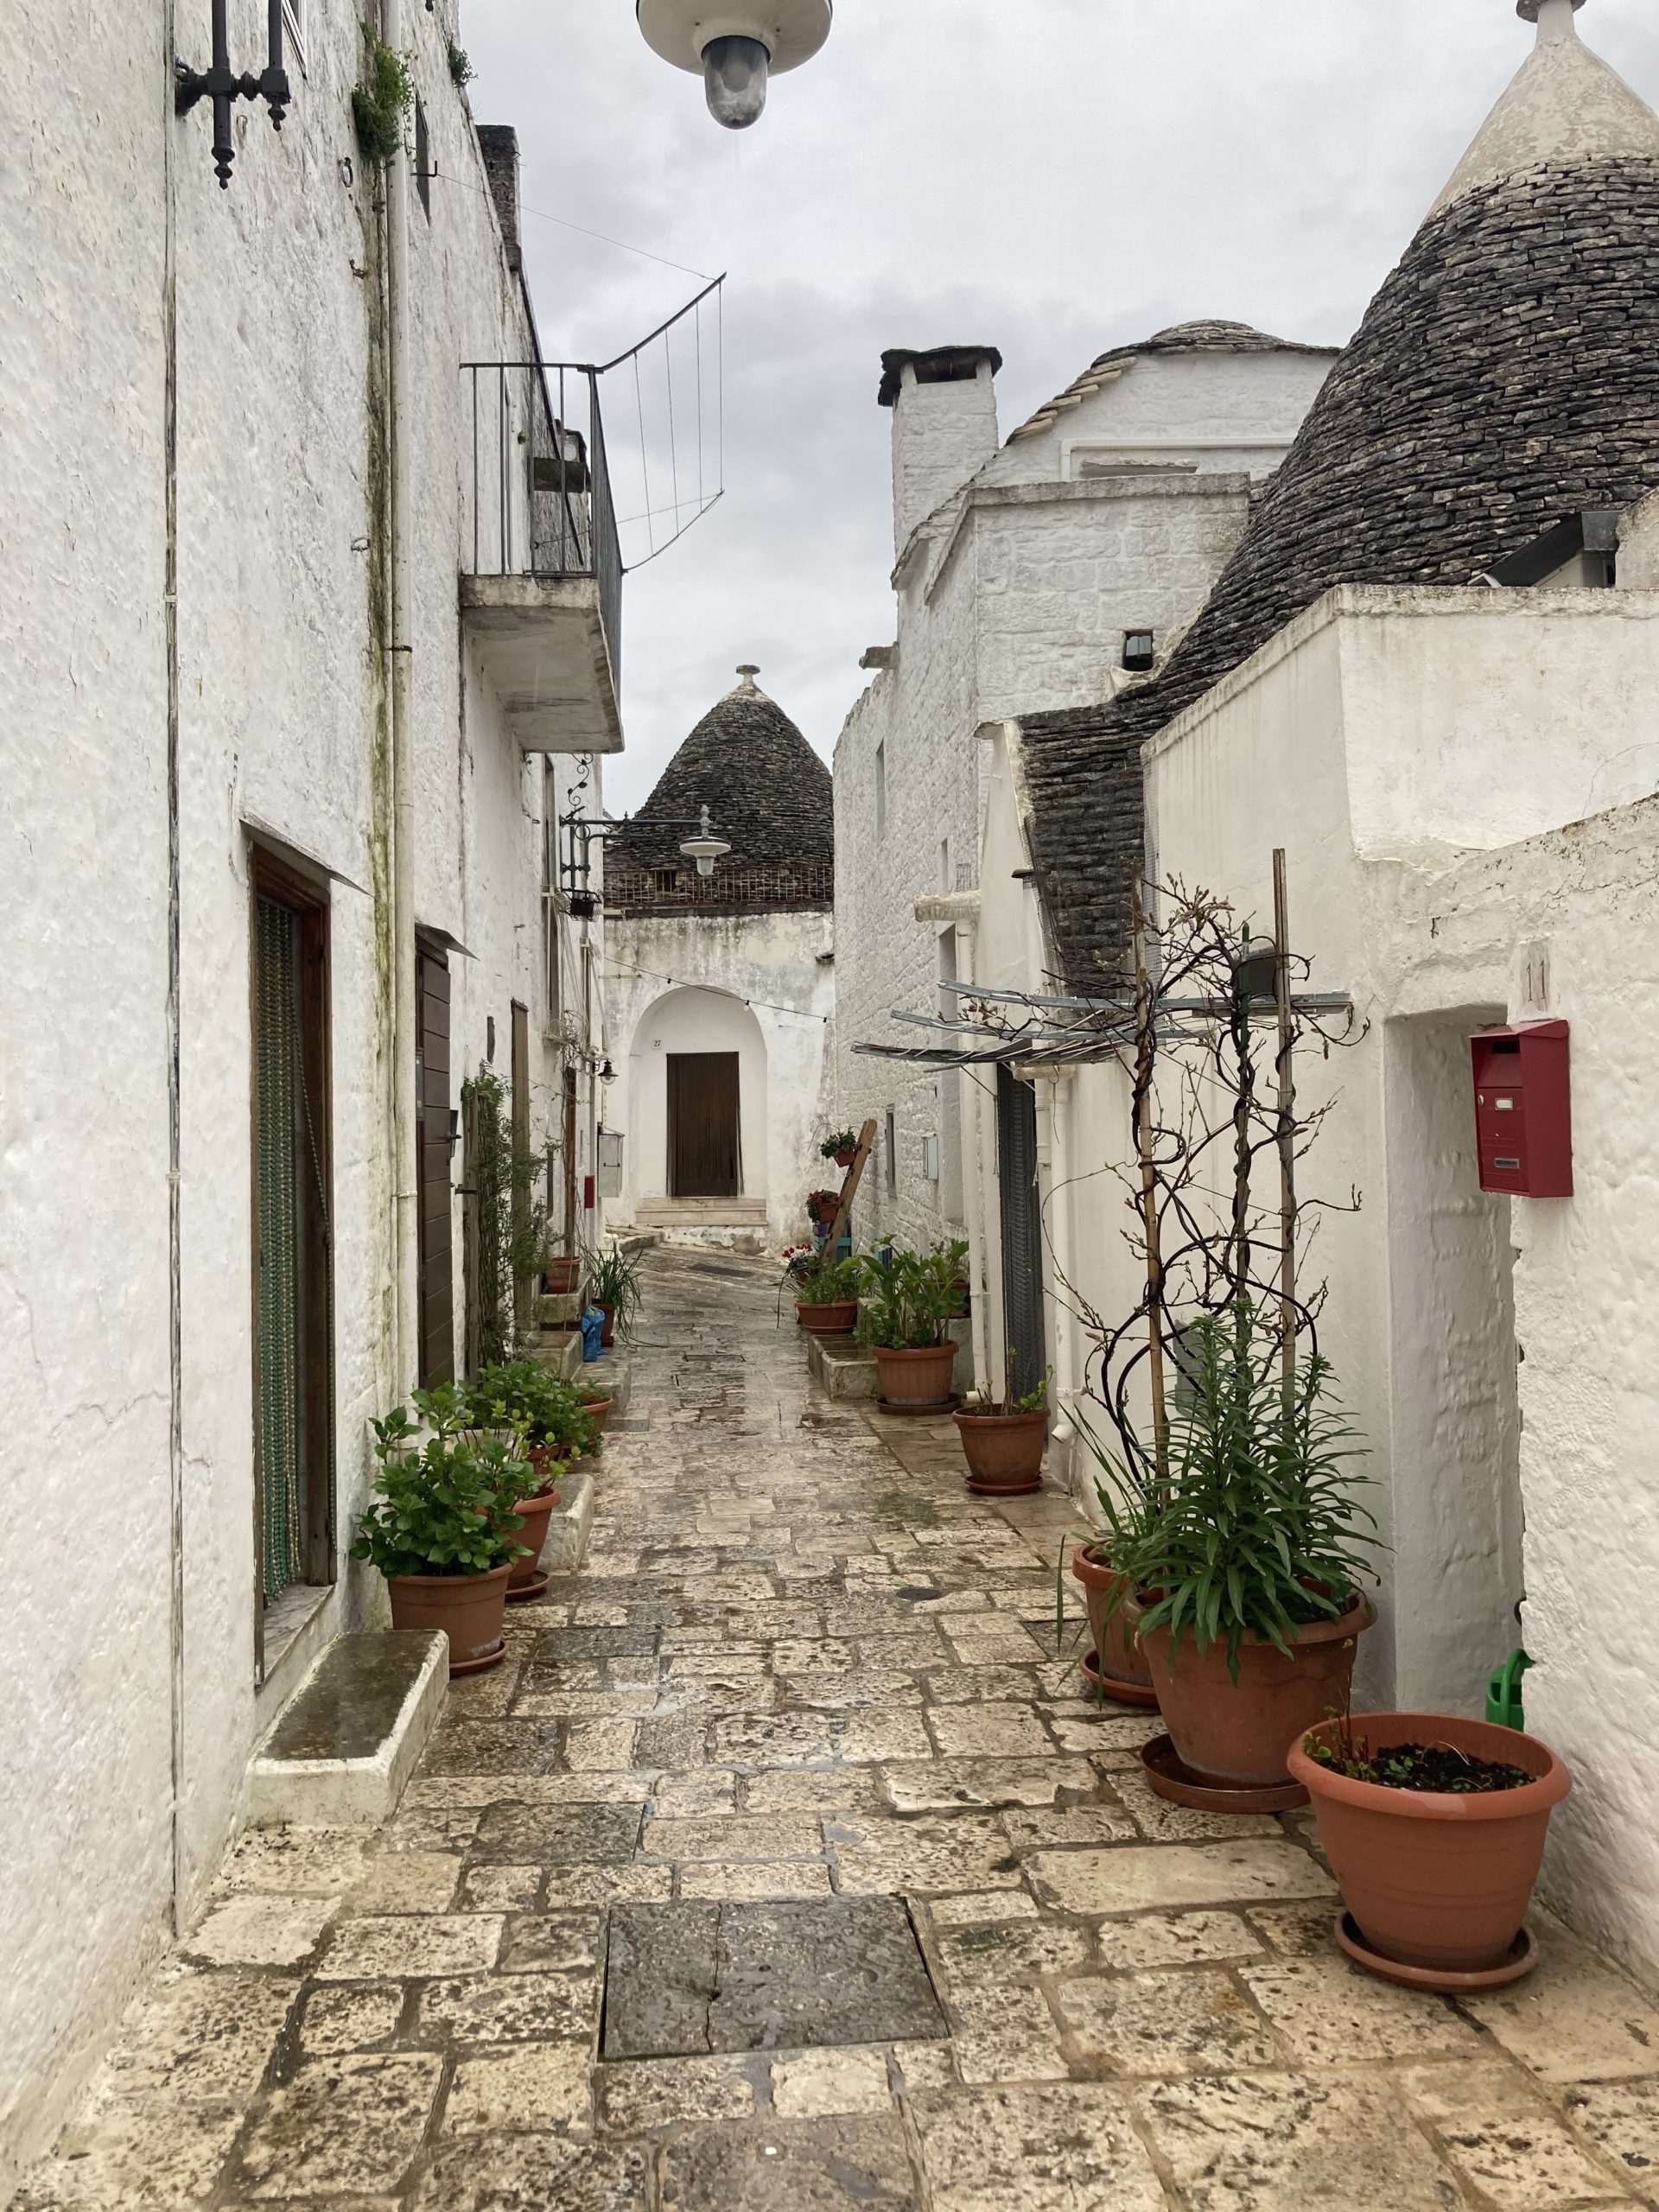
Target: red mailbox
[(1523, 1110)]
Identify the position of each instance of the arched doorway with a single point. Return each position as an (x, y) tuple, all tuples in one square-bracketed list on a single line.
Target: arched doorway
[(698, 1079)]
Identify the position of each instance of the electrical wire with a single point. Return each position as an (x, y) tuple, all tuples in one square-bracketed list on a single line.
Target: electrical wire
[(582, 229), (678, 983)]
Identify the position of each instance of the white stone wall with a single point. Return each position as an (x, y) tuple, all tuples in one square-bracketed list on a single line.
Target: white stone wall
[(1330, 742), (1012, 600), (760, 985), (283, 731)]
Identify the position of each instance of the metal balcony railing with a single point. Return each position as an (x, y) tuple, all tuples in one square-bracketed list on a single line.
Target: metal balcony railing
[(540, 497)]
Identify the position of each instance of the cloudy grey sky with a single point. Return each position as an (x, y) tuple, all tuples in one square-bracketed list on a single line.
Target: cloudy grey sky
[(1053, 177)]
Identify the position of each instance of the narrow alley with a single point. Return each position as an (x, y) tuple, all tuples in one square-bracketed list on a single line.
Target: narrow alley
[(783, 1866)]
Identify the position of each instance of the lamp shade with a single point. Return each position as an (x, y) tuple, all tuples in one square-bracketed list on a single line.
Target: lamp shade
[(682, 31)]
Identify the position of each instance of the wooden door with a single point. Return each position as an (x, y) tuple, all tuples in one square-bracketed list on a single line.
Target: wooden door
[(433, 1210), (1022, 1232), (704, 1158)]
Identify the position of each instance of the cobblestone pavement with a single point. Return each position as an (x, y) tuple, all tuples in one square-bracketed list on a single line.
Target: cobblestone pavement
[(891, 1919)]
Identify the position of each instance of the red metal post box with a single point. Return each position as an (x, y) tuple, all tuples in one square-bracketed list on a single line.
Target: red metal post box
[(1523, 1109)]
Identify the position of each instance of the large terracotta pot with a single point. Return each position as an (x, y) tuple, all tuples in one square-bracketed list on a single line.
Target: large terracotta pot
[(607, 1334), (1435, 1880), (599, 1411), (562, 1277), (837, 1318), (1004, 1452), (468, 1608), (1116, 1641), (1241, 1732), (916, 1378), (535, 1513)]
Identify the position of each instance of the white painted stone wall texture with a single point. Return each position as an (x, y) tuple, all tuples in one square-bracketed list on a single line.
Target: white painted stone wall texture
[(283, 725)]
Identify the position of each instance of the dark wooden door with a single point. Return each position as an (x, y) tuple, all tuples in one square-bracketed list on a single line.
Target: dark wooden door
[(704, 1160), (437, 1310), (1022, 1232)]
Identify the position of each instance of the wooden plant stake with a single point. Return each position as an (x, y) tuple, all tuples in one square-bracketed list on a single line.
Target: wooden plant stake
[(1146, 1055), (1287, 1138)]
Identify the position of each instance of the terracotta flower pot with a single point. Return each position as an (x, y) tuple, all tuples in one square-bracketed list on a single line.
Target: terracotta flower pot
[(562, 1277), (600, 1409), (1116, 1641), (468, 1608), (535, 1513), (607, 1334), (839, 1318), (1004, 1452), (1241, 1732), (916, 1378), (1432, 1878), (846, 1155)]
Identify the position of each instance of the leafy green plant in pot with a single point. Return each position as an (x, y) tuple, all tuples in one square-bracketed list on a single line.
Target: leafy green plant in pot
[(826, 1294), (1003, 1440), (911, 1299), (843, 1147), (546, 1415), (614, 1287), (1115, 1665), (1248, 1568), (443, 1529)]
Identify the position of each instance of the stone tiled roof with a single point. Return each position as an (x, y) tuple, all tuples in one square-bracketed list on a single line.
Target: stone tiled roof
[(1201, 337), (1507, 374), (768, 792)]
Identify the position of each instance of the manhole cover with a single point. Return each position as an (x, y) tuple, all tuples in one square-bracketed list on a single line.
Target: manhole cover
[(684, 1980)]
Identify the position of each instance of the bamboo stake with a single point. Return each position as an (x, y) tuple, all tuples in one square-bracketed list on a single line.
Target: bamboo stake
[(1287, 1134), (1145, 1068)]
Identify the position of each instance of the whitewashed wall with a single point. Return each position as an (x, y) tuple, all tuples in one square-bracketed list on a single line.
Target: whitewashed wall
[(760, 985), (1362, 740), (1014, 598), (283, 729)]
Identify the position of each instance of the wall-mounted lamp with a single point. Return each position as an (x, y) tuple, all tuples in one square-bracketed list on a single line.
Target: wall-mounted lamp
[(736, 46), (608, 1073), (581, 830), (221, 85)]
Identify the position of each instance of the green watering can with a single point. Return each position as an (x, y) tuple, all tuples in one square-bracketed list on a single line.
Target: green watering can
[(1503, 1708)]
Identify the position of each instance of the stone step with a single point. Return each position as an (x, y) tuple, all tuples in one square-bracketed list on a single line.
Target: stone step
[(349, 1738), (560, 1309), (570, 1527)]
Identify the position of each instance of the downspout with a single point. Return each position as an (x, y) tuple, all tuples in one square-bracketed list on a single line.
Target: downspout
[(174, 1293), (969, 1097), (402, 773)]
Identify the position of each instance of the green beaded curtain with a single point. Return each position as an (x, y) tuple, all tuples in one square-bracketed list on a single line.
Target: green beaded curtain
[(276, 1022)]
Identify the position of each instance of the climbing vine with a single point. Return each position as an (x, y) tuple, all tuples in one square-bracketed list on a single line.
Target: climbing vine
[(510, 1222)]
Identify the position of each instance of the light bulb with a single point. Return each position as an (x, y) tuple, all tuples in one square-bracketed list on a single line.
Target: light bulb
[(734, 77)]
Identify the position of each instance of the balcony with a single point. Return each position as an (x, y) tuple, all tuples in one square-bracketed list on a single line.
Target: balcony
[(540, 583)]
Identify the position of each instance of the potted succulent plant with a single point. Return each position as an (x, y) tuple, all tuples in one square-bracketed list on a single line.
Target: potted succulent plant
[(614, 1285), (545, 1414), (1246, 1561), (912, 1298), (1434, 1827), (1003, 1440), (843, 1147), (826, 1294), (443, 1529)]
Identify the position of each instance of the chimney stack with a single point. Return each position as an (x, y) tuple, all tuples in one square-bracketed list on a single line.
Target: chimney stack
[(944, 407), (499, 143)]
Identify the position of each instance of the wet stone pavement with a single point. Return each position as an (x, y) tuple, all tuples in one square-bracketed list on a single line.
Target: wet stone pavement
[(783, 1868)]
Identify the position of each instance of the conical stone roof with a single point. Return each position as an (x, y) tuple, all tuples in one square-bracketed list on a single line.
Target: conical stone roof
[(1506, 376), (768, 795)]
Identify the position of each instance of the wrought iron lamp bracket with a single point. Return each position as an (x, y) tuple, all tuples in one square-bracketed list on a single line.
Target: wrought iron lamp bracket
[(222, 85)]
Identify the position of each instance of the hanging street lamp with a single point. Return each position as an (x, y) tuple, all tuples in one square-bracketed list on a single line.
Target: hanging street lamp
[(705, 849), (735, 46)]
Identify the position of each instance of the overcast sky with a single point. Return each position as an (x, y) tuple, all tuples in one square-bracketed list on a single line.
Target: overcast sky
[(1053, 177)]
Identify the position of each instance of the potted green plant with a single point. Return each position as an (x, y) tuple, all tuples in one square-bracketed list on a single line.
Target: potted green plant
[(1115, 1665), (614, 1287), (1434, 1827), (843, 1147), (913, 1296), (1003, 1439), (562, 1273), (1247, 1566), (822, 1207), (443, 1529), (545, 1415), (596, 1404), (826, 1294)]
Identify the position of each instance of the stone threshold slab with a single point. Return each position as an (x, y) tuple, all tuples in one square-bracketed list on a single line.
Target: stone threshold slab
[(346, 1744)]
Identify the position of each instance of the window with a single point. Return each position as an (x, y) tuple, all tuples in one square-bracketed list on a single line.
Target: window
[(1138, 653), (945, 882), (666, 879), (881, 791), (423, 159), (930, 1159), (294, 25), (892, 1153)]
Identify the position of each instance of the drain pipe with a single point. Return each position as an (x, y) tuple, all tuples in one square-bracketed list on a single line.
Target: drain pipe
[(174, 1289), (403, 771), (968, 1110)]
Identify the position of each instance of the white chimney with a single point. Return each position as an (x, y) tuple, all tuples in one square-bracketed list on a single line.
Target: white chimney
[(944, 407)]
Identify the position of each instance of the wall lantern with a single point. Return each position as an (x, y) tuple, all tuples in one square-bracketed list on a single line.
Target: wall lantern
[(705, 849), (736, 48), (222, 87)]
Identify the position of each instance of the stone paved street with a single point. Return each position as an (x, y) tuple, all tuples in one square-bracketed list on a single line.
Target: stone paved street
[(783, 1867)]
